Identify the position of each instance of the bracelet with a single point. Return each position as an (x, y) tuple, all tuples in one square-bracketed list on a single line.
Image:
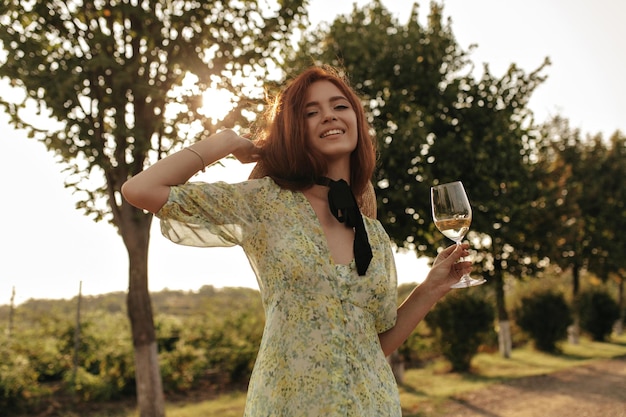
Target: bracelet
[(199, 156)]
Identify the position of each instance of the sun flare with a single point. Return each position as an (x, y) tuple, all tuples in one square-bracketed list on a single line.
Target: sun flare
[(216, 103)]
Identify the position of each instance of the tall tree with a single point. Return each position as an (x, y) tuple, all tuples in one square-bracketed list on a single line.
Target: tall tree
[(588, 214), (435, 123), (113, 73), (405, 75), (608, 220), (565, 238), (493, 150)]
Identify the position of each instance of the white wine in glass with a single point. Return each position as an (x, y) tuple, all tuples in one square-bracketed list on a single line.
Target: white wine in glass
[(452, 215)]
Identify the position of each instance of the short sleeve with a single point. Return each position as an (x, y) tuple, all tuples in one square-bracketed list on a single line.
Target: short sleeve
[(387, 315), (209, 214)]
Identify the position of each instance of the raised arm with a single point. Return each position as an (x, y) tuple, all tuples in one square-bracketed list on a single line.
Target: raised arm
[(446, 271), (150, 188)]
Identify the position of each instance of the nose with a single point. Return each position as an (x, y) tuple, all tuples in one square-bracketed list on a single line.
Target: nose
[(328, 116)]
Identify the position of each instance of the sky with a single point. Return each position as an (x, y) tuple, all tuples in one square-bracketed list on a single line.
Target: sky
[(50, 248)]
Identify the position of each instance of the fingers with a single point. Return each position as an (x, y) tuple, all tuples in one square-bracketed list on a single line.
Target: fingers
[(463, 246), (453, 253), (248, 151), (247, 159), (454, 248), (461, 268), (448, 267)]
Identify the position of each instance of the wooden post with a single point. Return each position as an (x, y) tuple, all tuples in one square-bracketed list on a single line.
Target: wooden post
[(11, 312), (77, 335)]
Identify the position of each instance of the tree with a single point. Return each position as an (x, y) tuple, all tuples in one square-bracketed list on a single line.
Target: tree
[(614, 237), (494, 152), (563, 225), (115, 76), (608, 220), (435, 123), (589, 212), (406, 76)]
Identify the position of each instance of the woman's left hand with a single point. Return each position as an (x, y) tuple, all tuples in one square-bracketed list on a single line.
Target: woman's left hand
[(447, 268)]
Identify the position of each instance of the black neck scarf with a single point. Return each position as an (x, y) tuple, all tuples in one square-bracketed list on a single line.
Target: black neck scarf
[(344, 207)]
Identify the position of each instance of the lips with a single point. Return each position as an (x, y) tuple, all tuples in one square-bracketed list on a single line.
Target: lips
[(332, 132)]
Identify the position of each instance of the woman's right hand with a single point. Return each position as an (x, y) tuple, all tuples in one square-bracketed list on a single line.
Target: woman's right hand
[(150, 188)]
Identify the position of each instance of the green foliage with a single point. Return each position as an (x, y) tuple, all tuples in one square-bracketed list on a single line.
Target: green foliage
[(88, 386), (182, 367), (201, 336), (45, 353), (419, 348), (19, 385), (545, 316), (233, 345), (219, 336), (182, 359), (598, 312), (583, 221), (606, 220), (461, 322), (105, 357)]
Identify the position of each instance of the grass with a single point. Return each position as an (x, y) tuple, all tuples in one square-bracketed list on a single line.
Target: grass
[(424, 390), (230, 405)]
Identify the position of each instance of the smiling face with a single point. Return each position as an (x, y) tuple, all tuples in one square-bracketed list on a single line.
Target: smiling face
[(331, 122), (316, 126)]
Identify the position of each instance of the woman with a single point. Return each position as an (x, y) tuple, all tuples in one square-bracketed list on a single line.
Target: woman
[(326, 273)]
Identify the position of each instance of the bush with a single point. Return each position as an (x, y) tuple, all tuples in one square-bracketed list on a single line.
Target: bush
[(461, 322), (545, 316), (182, 367), (598, 312), (105, 357), (418, 348), (18, 380), (232, 347), (89, 387)]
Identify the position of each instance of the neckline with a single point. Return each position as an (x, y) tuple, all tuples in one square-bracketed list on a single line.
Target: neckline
[(322, 235)]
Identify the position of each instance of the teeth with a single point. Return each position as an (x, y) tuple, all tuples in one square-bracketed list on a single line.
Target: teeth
[(332, 132)]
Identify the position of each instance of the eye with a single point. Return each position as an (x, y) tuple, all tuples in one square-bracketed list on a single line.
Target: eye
[(342, 107), (310, 113)]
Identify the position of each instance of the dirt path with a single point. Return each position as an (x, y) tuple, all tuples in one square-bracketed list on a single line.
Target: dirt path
[(595, 390)]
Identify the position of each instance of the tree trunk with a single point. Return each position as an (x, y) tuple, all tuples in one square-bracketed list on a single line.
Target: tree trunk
[(575, 280), (505, 342), (504, 327), (573, 331), (619, 327), (150, 399)]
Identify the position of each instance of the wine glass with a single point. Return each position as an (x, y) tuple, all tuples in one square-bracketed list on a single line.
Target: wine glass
[(452, 215)]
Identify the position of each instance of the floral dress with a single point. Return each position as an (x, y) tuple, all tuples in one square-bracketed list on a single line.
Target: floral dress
[(320, 354)]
